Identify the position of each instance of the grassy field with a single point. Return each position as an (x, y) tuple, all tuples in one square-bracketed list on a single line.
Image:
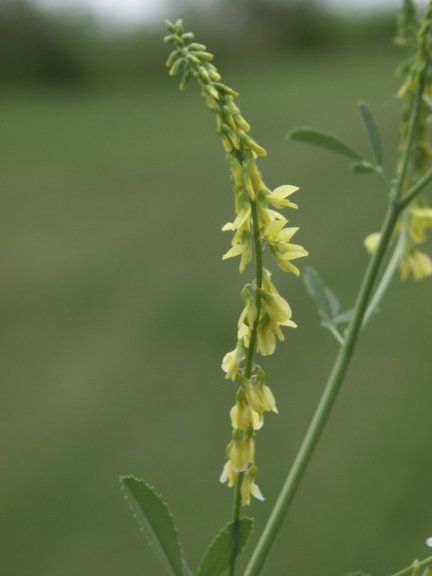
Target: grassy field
[(116, 311)]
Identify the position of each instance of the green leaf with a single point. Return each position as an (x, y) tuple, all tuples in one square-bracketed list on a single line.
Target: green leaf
[(328, 304), (372, 131), (343, 317), (324, 140), (218, 555), (362, 168), (428, 103), (156, 523)]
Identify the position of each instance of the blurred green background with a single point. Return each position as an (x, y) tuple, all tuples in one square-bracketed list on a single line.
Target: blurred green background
[(117, 310)]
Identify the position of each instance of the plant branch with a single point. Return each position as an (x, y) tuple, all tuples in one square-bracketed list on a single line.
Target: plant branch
[(410, 137), (248, 370), (388, 274), (409, 569), (415, 190), (343, 358), (325, 405)]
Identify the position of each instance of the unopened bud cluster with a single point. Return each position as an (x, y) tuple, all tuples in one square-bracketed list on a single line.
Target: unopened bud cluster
[(257, 224), (413, 33)]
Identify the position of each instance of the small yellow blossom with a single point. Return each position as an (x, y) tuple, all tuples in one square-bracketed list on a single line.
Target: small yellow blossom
[(247, 318), (418, 264), (229, 475), (241, 452), (242, 249), (257, 222), (243, 417), (283, 251), (278, 198), (231, 362), (261, 398), (249, 488), (371, 242)]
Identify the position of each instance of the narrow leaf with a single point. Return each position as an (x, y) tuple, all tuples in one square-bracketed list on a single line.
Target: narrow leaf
[(428, 103), (343, 317), (218, 555), (157, 524), (372, 131), (328, 304), (362, 168), (324, 140)]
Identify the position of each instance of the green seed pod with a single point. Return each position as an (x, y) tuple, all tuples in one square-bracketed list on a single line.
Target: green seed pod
[(188, 36), (204, 56), (214, 75), (241, 123), (226, 89), (254, 146), (197, 47), (204, 74), (176, 66), (185, 79), (212, 91), (178, 26), (170, 26), (172, 58), (193, 59)]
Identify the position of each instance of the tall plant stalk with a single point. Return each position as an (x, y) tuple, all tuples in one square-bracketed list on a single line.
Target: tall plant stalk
[(396, 206)]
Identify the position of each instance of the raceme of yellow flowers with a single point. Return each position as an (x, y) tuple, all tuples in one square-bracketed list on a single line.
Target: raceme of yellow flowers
[(258, 223), (418, 219)]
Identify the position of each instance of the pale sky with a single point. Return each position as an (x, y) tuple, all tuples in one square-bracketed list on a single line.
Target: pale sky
[(135, 11)]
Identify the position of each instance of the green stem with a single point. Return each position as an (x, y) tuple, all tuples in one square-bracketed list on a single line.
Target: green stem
[(415, 190), (248, 371), (326, 403), (342, 361), (409, 570), (388, 274), (410, 136)]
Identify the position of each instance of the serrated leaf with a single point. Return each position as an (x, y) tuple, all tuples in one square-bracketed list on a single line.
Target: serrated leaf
[(156, 523), (362, 168), (218, 555), (324, 140), (372, 131), (328, 304)]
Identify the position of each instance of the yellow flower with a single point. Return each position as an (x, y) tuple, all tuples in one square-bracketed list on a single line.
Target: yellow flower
[(276, 307), (247, 318), (283, 251), (228, 475), (261, 398), (418, 264), (241, 452), (371, 242), (249, 489), (421, 220), (243, 417), (242, 249), (231, 362), (278, 198)]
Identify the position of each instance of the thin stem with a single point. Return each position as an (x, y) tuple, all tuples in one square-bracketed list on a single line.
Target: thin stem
[(326, 403), (236, 518), (415, 190), (409, 569), (410, 137), (380, 173), (335, 333), (342, 361), (388, 274), (248, 371)]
